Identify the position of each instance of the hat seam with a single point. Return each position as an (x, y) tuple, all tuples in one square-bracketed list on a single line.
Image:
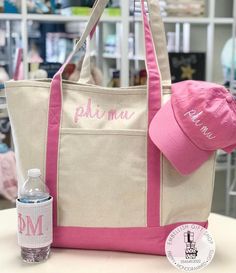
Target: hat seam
[(233, 102), (220, 107)]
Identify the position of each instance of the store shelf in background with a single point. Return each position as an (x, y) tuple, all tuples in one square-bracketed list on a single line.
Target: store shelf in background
[(137, 58), (117, 56), (60, 18), (63, 18), (223, 167), (111, 56), (192, 20), (197, 20), (10, 16), (105, 18), (224, 21)]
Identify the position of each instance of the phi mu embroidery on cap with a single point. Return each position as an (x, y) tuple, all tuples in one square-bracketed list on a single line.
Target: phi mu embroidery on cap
[(203, 128)]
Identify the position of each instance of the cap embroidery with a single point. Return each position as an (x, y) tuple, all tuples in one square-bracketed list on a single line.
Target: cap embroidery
[(194, 117)]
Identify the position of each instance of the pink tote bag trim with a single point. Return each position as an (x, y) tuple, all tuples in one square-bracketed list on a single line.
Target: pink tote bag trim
[(154, 104), (54, 118), (139, 240)]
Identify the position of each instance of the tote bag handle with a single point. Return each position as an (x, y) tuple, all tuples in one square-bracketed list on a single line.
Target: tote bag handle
[(159, 40), (97, 10)]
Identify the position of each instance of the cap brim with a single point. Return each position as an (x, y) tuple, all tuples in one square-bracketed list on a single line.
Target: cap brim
[(166, 134)]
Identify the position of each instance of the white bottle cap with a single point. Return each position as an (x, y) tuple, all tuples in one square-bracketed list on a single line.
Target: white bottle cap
[(34, 172)]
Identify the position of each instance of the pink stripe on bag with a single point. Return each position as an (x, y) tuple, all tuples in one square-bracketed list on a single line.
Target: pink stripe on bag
[(154, 104), (19, 55), (149, 240), (54, 119)]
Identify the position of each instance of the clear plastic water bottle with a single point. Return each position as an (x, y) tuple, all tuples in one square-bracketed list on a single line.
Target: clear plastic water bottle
[(34, 208)]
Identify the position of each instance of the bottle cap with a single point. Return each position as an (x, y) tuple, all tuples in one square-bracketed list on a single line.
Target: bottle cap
[(34, 172)]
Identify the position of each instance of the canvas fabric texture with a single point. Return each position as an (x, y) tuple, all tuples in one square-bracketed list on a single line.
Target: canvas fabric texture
[(104, 193)]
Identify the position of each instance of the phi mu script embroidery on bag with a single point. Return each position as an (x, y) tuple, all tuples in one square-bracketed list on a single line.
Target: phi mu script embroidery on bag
[(91, 111), (195, 118)]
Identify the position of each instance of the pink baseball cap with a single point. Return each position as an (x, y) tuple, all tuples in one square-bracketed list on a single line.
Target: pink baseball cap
[(199, 118)]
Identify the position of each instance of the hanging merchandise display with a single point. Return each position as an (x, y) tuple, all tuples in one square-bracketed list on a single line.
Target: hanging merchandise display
[(112, 187)]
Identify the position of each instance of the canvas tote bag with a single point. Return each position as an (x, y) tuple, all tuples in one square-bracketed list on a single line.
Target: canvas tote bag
[(112, 187)]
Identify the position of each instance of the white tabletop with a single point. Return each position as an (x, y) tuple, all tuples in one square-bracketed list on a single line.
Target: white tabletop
[(222, 228)]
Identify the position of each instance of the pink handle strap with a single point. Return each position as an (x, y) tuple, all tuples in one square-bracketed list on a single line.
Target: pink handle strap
[(18, 63)]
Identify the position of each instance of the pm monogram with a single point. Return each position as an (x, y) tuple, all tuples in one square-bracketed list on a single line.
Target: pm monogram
[(28, 227)]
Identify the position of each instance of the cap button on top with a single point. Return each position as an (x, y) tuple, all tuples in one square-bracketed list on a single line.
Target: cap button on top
[(229, 98)]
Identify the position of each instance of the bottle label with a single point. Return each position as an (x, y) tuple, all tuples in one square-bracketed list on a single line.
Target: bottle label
[(34, 224)]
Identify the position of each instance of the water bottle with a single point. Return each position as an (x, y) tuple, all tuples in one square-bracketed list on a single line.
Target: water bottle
[(34, 209)]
